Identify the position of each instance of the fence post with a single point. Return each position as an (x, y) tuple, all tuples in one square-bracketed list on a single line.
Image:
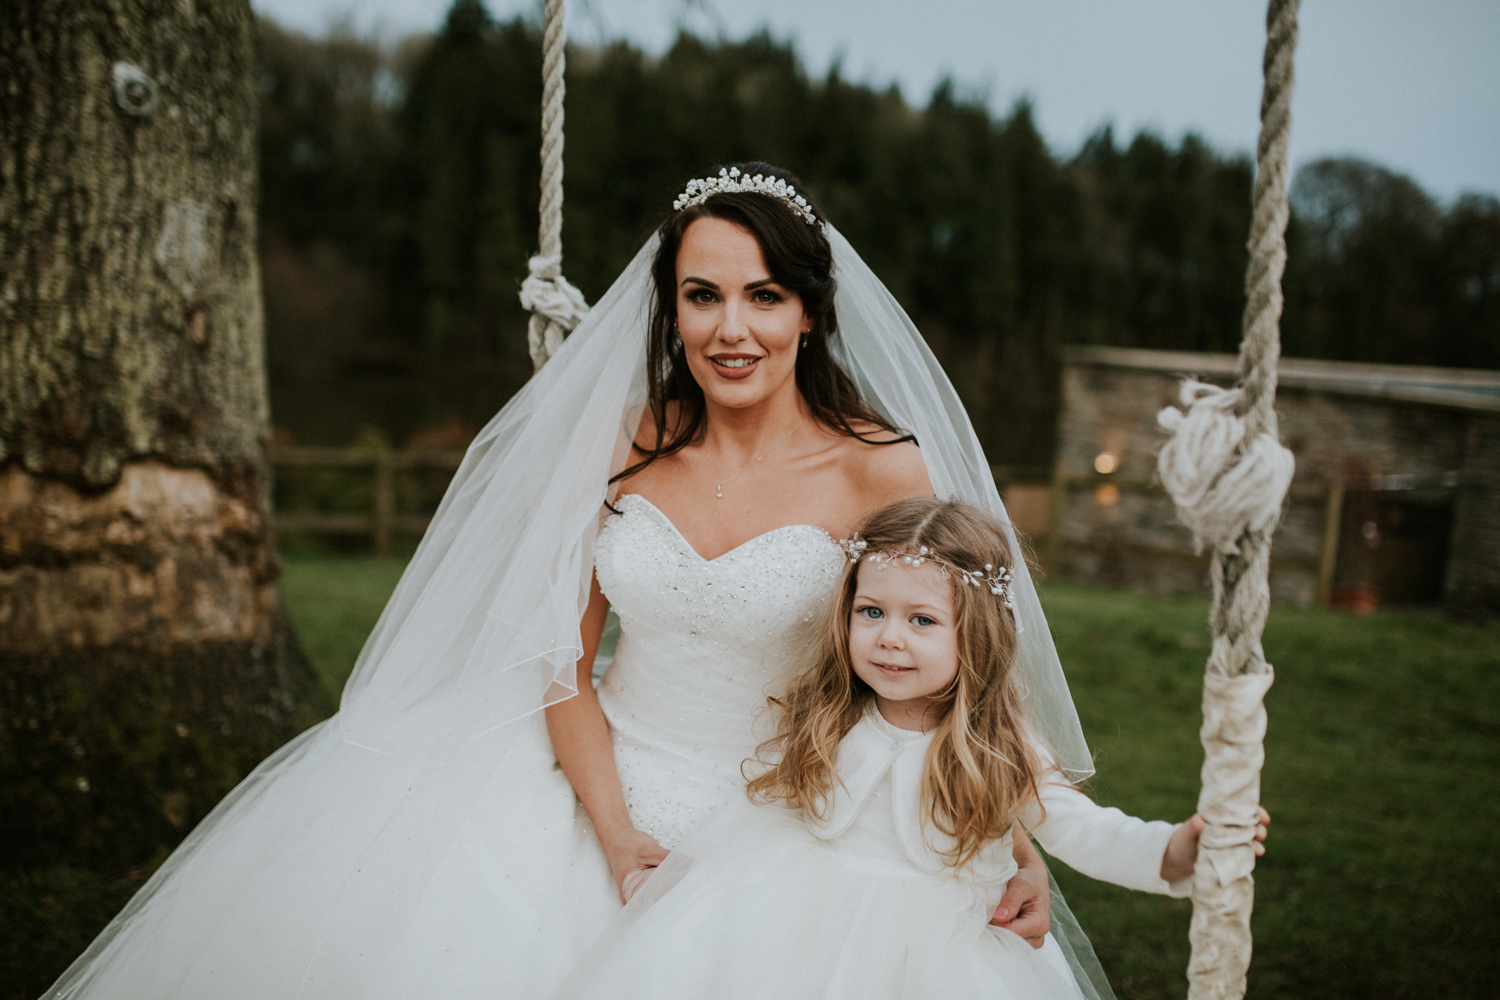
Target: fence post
[(1328, 552), (1057, 499), (385, 498)]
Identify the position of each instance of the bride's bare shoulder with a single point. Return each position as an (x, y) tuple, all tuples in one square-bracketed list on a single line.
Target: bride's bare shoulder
[(883, 468)]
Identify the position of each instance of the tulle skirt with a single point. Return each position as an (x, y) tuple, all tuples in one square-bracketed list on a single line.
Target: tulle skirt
[(754, 906), (337, 872)]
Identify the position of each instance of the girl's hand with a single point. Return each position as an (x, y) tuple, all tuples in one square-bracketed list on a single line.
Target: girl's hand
[(1182, 850), (632, 856)]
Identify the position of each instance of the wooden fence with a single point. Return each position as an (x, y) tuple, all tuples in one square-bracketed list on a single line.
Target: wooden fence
[(384, 464)]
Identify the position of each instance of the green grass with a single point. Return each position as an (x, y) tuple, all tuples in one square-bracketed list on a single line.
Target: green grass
[(1382, 879), (334, 603)]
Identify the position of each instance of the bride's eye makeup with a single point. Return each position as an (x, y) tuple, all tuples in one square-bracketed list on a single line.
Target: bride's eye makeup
[(701, 296), (767, 297)]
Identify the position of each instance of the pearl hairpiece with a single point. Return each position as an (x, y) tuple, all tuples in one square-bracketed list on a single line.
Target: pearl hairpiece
[(732, 181), (998, 581)]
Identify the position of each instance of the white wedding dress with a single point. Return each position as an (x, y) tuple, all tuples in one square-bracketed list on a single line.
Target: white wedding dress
[(522, 888), (702, 643)]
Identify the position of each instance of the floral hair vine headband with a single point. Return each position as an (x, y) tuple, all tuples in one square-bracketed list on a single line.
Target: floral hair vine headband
[(732, 181), (998, 581)]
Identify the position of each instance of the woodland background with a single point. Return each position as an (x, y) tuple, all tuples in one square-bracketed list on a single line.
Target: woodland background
[(399, 201)]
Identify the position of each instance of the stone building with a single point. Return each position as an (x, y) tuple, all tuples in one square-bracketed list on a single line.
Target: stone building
[(1396, 499)]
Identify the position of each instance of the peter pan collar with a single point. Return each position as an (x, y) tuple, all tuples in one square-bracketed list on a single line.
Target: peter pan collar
[(872, 748)]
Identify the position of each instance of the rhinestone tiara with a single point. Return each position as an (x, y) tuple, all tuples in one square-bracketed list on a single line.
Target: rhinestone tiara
[(732, 181), (996, 580)]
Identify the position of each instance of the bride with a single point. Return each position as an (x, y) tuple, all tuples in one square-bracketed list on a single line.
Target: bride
[(473, 816)]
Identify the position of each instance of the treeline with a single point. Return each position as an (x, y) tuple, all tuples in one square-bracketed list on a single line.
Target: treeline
[(399, 205)]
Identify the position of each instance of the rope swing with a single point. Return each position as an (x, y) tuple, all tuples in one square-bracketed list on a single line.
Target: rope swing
[(1228, 475), (556, 307)]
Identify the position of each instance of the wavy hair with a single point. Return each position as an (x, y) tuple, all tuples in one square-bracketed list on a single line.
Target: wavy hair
[(984, 762), (800, 258)]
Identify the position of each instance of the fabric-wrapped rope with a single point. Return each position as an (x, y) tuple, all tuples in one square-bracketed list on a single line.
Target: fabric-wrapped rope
[(556, 307)]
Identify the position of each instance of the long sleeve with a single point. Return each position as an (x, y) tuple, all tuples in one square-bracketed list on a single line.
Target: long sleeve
[(1102, 842)]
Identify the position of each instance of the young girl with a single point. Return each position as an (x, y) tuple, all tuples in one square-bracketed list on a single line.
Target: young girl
[(882, 839)]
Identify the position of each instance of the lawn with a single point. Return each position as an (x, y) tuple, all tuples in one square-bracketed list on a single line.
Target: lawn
[(1382, 878), (1381, 759)]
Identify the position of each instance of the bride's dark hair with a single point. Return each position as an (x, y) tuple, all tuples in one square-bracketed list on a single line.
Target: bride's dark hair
[(800, 258)]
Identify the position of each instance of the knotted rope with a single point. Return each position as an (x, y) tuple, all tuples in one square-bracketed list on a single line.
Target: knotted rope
[(1228, 474), (556, 307)]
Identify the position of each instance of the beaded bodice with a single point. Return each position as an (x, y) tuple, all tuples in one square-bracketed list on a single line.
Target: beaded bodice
[(702, 644)]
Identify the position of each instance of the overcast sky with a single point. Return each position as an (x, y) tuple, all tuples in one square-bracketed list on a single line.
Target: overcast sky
[(1411, 84)]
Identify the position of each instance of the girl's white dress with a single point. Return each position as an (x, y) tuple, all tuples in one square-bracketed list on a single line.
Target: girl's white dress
[(766, 902)]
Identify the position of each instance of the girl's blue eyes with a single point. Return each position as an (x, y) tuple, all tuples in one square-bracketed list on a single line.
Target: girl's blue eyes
[(875, 614)]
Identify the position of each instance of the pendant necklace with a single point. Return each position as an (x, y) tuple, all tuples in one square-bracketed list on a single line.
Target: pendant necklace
[(719, 483)]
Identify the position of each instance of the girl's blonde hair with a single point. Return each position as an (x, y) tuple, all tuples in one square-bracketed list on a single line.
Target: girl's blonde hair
[(983, 765)]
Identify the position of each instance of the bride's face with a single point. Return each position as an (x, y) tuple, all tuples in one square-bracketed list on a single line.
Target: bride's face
[(739, 328)]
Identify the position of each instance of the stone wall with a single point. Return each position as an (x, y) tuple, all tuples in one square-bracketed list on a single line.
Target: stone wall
[(1395, 500)]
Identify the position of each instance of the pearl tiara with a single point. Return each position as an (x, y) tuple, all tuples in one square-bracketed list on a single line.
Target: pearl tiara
[(997, 580), (732, 181)]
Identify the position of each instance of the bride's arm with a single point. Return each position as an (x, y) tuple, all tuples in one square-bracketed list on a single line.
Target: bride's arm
[(580, 738)]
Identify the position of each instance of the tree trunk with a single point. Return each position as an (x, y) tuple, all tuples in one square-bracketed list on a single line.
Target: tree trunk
[(145, 660)]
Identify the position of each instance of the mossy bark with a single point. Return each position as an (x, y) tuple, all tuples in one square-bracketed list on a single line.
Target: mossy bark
[(145, 661)]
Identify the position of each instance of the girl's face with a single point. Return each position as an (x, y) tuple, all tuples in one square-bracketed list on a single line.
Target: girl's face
[(903, 638), (739, 328)]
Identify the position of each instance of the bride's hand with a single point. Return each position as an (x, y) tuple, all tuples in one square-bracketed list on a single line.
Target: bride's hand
[(632, 857), (634, 879), (1027, 906)]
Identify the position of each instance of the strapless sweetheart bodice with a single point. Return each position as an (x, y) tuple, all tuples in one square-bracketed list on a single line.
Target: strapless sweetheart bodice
[(703, 642)]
